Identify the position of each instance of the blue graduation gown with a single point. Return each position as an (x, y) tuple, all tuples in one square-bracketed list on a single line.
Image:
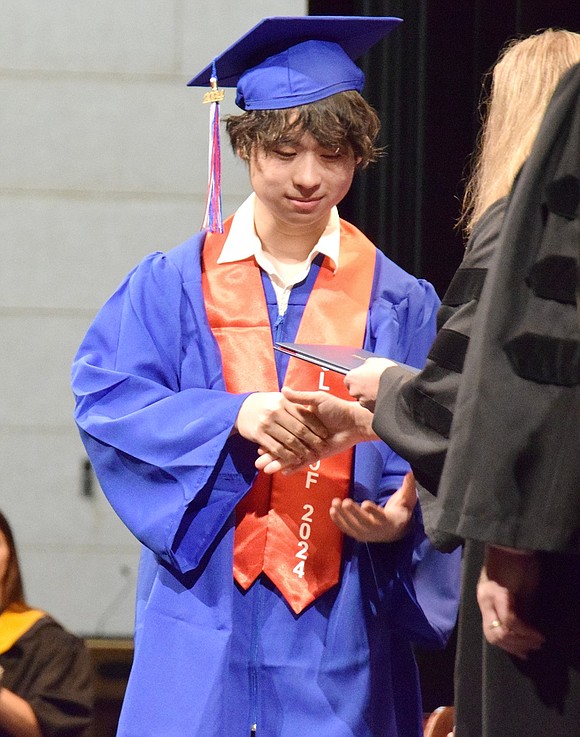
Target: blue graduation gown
[(211, 659)]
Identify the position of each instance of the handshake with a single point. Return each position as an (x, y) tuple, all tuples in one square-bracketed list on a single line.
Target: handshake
[(295, 429)]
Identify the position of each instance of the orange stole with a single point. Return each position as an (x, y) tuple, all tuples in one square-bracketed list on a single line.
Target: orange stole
[(282, 525)]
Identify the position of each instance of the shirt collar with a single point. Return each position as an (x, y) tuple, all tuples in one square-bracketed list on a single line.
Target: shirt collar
[(242, 241)]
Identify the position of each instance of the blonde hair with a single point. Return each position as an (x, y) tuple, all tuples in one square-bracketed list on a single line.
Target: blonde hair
[(522, 83)]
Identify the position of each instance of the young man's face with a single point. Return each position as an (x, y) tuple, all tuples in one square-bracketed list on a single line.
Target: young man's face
[(299, 184)]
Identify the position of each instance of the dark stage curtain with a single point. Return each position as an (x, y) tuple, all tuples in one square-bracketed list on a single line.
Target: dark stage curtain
[(425, 81)]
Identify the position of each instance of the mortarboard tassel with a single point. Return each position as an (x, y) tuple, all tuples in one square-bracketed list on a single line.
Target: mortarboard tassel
[(212, 219)]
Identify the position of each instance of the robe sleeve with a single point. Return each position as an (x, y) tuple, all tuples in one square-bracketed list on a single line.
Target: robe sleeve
[(161, 447), (413, 413), (401, 326)]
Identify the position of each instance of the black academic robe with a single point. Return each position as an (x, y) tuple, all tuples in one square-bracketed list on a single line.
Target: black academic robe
[(51, 669), (512, 472), (422, 406), (414, 415), (413, 412)]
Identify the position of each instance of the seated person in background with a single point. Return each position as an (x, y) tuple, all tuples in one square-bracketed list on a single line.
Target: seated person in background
[(46, 684)]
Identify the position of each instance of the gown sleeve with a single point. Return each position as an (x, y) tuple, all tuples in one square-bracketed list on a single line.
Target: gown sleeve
[(161, 443), (413, 413)]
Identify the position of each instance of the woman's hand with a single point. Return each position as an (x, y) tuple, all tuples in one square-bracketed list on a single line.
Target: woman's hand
[(363, 382), (505, 591)]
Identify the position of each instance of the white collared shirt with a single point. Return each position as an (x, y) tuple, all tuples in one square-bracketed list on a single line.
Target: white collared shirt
[(243, 242)]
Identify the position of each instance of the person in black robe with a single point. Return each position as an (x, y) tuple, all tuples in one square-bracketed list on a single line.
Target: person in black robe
[(414, 414), (511, 479), (46, 678)]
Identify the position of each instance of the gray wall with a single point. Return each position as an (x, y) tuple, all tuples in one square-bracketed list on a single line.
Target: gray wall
[(103, 156)]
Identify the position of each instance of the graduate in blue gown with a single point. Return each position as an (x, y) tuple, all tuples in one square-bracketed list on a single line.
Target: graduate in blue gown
[(178, 391)]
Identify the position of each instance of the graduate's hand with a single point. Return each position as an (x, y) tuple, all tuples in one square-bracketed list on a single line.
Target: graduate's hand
[(369, 522), (505, 591), (280, 427), (346, 424), (363, 382)]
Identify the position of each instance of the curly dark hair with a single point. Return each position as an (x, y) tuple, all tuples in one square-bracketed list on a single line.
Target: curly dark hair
[(342, 122)]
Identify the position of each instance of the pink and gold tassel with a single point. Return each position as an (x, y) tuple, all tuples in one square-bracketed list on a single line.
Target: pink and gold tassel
[(212, 219)]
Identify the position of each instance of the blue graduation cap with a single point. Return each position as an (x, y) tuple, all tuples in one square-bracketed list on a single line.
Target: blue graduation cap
[(283, 62), (287, 61)]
